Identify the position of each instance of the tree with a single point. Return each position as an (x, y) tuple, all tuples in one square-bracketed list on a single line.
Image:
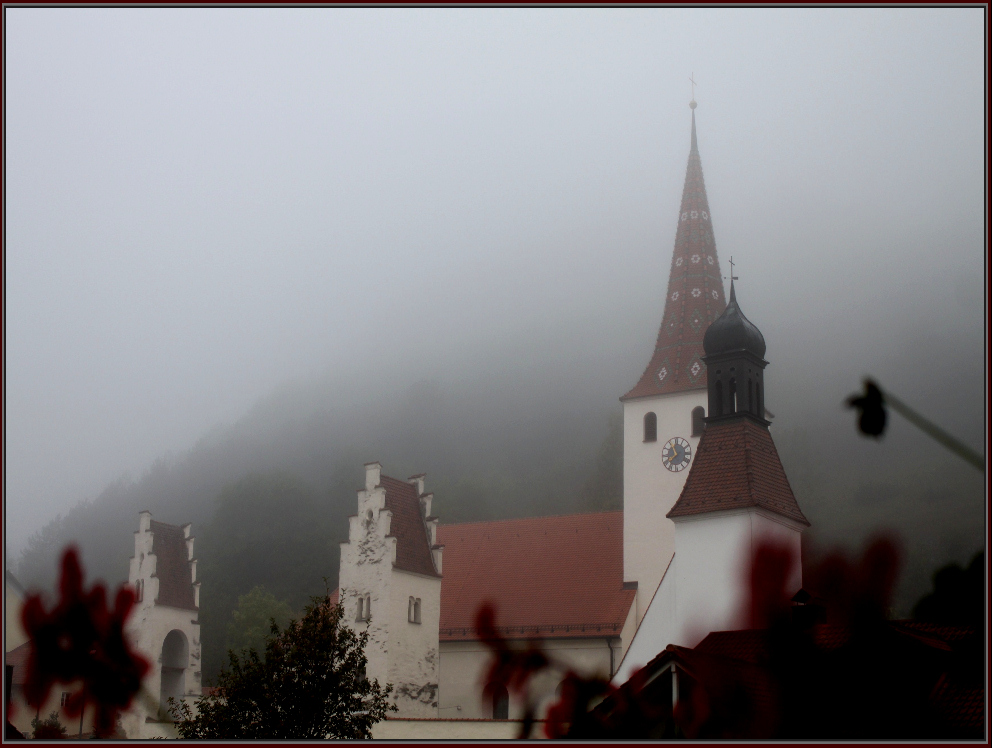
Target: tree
[(252, 619), (48, 729), (311, 684)]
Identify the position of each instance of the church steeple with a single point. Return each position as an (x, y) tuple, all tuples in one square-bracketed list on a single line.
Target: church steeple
[(735, 364), (694, 297)]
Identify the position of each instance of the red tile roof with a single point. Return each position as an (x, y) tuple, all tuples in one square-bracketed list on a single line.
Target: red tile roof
[(737, 466), (334, 596), (175, 578), (547, 576), (413, 550), (961, 705), (694, 297)]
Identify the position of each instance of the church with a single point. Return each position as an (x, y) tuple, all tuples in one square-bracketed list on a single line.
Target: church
[(604, 592)]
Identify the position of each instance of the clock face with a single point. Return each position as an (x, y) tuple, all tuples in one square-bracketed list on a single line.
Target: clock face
[(676, 454)]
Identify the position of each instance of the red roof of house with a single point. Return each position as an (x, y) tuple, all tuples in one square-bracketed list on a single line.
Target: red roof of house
[(737, 466), (408, 526), (694, 297), (548, 576), (175, 578)]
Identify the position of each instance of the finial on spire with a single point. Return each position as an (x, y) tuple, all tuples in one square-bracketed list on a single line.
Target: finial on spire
[(733, 296), (692, 103)]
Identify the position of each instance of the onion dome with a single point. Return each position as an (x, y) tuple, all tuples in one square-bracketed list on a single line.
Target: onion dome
[(732, 331)]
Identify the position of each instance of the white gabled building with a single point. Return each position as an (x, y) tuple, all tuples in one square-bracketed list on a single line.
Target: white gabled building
[(164, 625), (390, 585)]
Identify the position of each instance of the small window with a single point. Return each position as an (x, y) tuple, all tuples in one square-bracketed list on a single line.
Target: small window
[(65, 698), (368, 515), (698, 414), (650, 427), (732, 400), (139, 590), (364, 608), (416, 610)]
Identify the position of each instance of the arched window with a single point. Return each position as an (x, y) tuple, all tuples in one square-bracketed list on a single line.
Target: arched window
[(139, 590), (175, 659), (364, 608), (751, 405), (718, 398), (760, 399), (650, 427), (698, 414), (497, 695), (732, 399), (413, 610)]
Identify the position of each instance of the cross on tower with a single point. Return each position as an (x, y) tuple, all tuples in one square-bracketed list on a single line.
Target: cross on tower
[(732, 276), (693, 82)]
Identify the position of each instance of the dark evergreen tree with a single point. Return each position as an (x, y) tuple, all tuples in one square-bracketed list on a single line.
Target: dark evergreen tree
[(310, 684)]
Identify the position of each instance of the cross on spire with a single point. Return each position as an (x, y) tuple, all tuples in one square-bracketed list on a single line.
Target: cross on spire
[(732, 276), (693, 82)]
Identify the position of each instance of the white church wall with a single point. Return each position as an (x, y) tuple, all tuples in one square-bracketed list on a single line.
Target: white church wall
[(766, 525), (414, 659), (464, 665), (650, 489), (657, 625), (714, 567), (397, 728), (711, 574)]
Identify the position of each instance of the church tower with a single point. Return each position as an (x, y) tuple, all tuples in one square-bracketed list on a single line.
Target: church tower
[(663, 414), (736, 497), (737, 494)]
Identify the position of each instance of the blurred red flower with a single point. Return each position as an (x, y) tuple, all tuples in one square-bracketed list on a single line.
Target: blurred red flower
[(81, 639)]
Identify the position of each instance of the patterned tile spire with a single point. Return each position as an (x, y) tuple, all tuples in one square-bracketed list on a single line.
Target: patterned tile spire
[(695, 293)]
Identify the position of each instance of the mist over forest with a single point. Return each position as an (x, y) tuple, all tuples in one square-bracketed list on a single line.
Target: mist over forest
[(249, 250), (269, 496)]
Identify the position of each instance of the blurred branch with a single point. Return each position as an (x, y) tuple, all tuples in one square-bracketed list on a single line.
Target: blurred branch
[(873, 418)]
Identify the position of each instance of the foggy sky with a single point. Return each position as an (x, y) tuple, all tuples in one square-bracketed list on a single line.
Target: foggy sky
[(203, 204)]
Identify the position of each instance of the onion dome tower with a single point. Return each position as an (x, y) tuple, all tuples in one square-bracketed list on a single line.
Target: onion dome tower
[(734, 361), (736, 464), (664, 412)]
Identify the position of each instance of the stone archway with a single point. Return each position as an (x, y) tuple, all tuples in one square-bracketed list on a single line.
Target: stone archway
[(175, 660)]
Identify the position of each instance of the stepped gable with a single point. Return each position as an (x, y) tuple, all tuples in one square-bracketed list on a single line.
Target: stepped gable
[(413, 551), (694, 297), (175, 580), (737, 466), (557, 577)]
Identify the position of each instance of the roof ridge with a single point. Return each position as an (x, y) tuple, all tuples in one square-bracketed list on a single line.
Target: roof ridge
[(525, 519)]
